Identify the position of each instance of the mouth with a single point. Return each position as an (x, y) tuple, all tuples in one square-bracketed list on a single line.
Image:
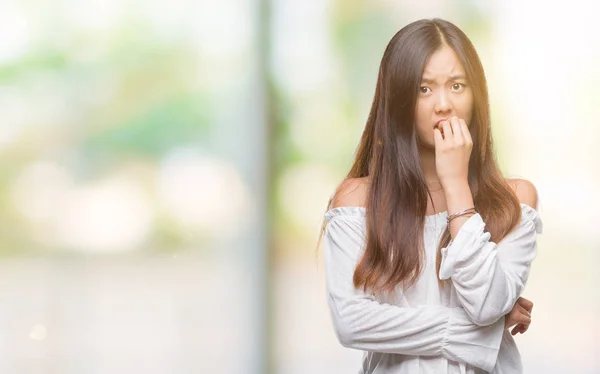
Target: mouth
[(437, 126), (438, 122)]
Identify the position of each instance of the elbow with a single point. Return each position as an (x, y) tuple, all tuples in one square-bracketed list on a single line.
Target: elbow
[(345, 334), (346, 340), (344, 326)]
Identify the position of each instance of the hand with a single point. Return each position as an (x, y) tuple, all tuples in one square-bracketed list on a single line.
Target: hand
[(520, 327), (520, 315), (452, 150)]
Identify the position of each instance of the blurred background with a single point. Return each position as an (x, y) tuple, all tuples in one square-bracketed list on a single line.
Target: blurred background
[(165, 167)]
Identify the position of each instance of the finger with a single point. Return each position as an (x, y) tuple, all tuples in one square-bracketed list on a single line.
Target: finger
[(512, 319), (522, 318), (527, 304), (519, 315), (447, 130), (515, 330), (438, 139), (520, 329), (522, 310), (440, 126), (456, 130), (466, 133)]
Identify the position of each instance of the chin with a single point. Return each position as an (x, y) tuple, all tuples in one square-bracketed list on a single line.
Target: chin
[(427, 146)]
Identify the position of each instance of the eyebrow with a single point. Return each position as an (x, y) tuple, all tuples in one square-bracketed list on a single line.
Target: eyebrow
[(452, 78)]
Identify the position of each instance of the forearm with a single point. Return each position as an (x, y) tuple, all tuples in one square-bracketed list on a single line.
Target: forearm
[(458, 197), (427, 330), (489, 277)]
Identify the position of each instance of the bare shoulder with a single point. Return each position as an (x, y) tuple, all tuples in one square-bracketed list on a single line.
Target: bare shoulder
[(351, 192), (525, 191)]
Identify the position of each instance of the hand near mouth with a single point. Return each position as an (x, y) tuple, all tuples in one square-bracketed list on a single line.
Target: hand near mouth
[(453, 145), (438, 125)]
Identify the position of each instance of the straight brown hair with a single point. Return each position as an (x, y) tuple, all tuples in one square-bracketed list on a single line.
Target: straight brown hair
[(388, 154)]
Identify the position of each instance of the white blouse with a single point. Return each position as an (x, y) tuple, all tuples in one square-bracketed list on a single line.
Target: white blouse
[(428, 329)]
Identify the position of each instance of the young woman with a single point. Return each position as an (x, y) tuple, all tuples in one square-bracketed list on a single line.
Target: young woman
[(427, 247)]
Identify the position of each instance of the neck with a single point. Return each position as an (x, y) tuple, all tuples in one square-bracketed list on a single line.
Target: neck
[(428, 166)]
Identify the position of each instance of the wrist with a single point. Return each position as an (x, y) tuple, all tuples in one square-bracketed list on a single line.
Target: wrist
[(458, 197), (455, 185)]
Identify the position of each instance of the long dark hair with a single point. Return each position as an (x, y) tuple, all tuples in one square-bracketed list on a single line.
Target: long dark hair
[(388, 154)]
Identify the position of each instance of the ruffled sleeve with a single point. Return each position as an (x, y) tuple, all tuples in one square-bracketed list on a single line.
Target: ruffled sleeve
[(362, 322), (490, 277)]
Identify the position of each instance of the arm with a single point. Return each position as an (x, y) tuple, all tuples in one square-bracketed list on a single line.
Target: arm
[(490, 277), (361, 322)]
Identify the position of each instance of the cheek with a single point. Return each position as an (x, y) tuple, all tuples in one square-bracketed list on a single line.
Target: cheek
[(422, 116), (467, 108)]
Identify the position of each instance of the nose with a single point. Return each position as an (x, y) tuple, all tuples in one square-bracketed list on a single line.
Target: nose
[(442, 104)]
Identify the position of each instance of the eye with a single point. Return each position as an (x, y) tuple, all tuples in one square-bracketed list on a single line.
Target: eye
[(458, 86), (424, 89)]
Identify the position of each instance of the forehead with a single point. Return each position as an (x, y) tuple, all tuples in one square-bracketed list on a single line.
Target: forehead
[(443, 62)]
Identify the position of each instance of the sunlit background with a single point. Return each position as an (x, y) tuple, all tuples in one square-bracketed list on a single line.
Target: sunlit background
[(165, 167)]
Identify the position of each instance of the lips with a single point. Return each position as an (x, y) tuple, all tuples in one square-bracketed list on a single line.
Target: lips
[(437, 126), (440, 121)]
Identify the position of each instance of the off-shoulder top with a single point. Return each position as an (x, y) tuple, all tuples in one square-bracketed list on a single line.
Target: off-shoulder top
[(427, 328)]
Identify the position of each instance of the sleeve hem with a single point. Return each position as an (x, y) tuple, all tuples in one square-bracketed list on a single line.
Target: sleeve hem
[(468, 232), (475, 345)]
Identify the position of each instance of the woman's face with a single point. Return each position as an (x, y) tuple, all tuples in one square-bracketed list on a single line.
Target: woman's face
[(444, 92)]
